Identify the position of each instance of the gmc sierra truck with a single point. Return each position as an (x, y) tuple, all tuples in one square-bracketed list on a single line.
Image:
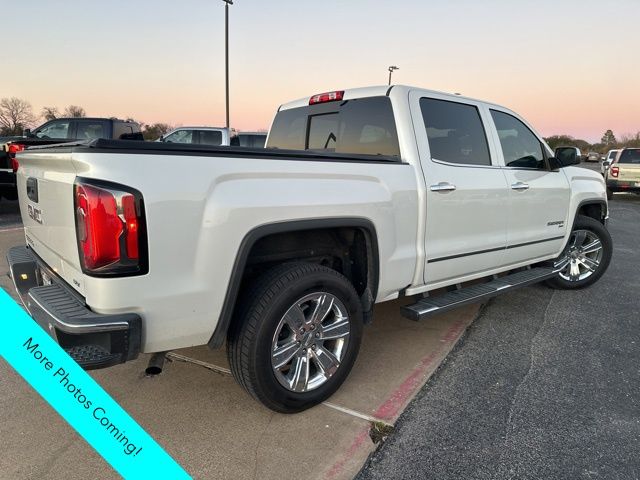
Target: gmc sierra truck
[(360, 196)]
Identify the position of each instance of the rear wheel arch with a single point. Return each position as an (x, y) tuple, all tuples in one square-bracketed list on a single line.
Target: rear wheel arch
[(329, 226)]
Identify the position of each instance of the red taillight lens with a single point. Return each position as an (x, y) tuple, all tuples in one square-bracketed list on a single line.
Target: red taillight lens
[(108, 227), (614, 171), (13, 149), (327, 97)]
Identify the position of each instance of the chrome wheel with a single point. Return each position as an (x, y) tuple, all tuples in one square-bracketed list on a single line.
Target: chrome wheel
[(582, 258), (310, 341)]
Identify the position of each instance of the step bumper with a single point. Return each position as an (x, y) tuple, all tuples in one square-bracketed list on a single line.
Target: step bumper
[(92, 339)]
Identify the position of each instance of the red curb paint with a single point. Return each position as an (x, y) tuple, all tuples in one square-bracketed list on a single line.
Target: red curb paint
[(338, 467), (389, 409)]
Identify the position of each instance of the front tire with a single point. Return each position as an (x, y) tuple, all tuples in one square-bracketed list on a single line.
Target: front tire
[(296, 336), (586, 256)]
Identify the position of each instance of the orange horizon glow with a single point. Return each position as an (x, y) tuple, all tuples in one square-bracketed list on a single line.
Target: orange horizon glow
[(567, 73)]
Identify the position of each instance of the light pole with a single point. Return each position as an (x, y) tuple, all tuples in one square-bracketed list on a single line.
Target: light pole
[(226, 54), (391, 69)]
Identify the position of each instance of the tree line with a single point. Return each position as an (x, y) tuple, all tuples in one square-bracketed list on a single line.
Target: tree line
[(607, 142), (16, 115)]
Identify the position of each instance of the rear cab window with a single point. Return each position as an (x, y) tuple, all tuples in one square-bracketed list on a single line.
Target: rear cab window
[(630, 156), (362, 126)]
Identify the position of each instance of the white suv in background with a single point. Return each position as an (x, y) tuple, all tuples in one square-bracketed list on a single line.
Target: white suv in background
[(608, 160), (215, 136), (198, 136)]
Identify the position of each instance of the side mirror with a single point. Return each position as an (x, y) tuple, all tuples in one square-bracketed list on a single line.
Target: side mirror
[(567, 156), (161, 139), (27, 132)]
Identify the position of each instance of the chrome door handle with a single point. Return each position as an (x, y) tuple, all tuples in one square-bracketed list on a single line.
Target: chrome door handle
[(442, 187), (520, 186)]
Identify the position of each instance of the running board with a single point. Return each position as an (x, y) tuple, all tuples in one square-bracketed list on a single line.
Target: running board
[(429, 306)]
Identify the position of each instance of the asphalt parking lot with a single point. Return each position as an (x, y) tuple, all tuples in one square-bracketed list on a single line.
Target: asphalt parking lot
[(196, 411), (543, 385)]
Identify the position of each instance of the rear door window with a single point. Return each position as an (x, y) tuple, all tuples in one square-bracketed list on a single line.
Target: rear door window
[(90, 130), (210, 137), (363, 126), (455, 132)]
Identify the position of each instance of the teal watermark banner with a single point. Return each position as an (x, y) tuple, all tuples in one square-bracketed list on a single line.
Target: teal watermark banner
[(79, 399)]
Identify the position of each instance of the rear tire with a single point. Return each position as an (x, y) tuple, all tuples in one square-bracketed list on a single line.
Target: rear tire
[(322, 345), (586, 256)]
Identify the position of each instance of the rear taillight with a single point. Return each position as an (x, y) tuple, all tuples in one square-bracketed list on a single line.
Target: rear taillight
[(13, 149), (614, 171), (110, 229)]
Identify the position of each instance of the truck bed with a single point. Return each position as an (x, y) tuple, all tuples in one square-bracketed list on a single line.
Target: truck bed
[(160, 148)]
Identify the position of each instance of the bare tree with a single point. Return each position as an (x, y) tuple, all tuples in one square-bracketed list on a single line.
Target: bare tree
[(74, 111), (15, 115), (154, 131), (50, 113)]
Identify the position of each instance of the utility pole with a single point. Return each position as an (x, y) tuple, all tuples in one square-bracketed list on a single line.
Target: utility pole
[(226, 55), (391, 69)]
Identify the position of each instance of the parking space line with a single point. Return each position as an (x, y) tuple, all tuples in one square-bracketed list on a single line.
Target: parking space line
[(11, 229), (354, 413), (210, 366)]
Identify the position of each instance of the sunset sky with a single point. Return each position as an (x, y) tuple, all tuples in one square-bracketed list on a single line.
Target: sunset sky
[(568, 66)]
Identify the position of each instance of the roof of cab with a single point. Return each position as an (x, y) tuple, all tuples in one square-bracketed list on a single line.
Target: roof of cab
[(381, 90)]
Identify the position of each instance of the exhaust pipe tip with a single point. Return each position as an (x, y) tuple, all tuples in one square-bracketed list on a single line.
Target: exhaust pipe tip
[(155, 365)]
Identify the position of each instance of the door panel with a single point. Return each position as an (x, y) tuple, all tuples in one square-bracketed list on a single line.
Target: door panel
[(466, 227), (539, 198), (537, 214), (466, 190)]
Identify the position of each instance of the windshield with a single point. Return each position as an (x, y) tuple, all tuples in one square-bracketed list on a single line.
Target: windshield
[(630, 156), (363, 126)]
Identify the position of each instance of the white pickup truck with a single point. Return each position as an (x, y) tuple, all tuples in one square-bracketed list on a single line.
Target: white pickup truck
[(361, 196)]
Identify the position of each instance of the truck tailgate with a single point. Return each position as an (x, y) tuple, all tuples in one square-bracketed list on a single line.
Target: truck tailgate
[(629, 172), (45, 189)]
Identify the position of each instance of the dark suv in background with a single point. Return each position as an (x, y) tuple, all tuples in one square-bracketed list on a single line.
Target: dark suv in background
[(60, 130)]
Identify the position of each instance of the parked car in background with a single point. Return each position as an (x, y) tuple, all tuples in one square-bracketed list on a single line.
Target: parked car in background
[(624, 173), (7, 173), (592, 157), (249, 139), (213, 136), (360, 196), (62, 130), (606, 162)]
